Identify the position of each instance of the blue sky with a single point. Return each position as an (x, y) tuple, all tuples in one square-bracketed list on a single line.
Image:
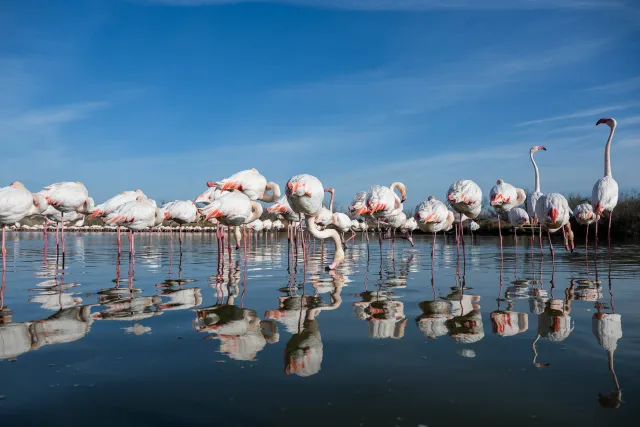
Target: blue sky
[(164, 95)]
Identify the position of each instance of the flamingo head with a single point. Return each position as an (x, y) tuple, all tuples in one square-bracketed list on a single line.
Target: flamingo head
[(538, 148), (362, 211), (297, 188), (496, 199), (40, 202), (553, 214), (167, 215), (276, 208), (17, 184), (607, 121)]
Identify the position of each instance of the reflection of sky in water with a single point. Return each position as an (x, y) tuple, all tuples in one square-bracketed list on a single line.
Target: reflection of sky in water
[(185, 321)]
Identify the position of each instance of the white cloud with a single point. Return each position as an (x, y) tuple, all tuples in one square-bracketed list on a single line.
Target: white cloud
[(54, 115), (414, 5), (582, 113), (619, 86)]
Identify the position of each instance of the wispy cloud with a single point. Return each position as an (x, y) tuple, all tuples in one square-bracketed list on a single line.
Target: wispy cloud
[(581, 113), (55, 115), (414, 5), (620, 86)]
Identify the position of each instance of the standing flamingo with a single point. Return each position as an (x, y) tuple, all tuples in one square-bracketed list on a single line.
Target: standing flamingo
[(503, 198), (181, 212), (533, 197), (67, 197), (383, 202), (433, 216), (553, 213), (465, 197), (136, 215), (16, 203), (114, 203), (251, 183), (305, 194), (585, 216), (233, 210), (605, 191), (518, 217), (282, 208)]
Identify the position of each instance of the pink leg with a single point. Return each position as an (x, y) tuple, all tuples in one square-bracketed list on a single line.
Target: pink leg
[(57, 233), (170, 232), (515, 236), (433, 248), (564, 236), (4, 250), (119, 242), (586, 249), (353, 234), (500, 233), (595, 254), (133, 244), (553, 255), (180, 233), (610, 218), (62, 233)]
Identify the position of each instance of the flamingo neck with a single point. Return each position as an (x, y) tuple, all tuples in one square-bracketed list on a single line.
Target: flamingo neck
[(338, 256), (275, 193), (256, 212), (607, 154), (536, 183)]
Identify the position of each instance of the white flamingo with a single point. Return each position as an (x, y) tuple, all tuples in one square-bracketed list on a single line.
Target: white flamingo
[(604, 196), (233, 210), (553, 213), (518, 217), (16, 203), (181, 212), (383, 202), (305, 194), (503, 198), (114, 203), (432, 216), (465, 197), (282, 208), (68, 197), (585, 215), (251, 183), (136, 215), (533, 198)]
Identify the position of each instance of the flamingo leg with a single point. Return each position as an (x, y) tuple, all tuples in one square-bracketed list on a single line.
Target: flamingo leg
[(433, 248), (515, 237), (610, 218), (180, 233), (500, 233), (57, 234), (540, 239), (62, 232), (119, 242), (4, 249), (566, 242), (595, 254), (553, 255), (133, 245), (586, 249)]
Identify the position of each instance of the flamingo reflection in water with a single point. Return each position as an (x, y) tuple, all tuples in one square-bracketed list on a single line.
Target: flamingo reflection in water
[(304, 351), (242, 334)]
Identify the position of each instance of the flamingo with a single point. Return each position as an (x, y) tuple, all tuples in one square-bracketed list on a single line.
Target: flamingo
[(399, 221), (503, 198), (518, 217), (136, 215), (432, 216), (409, 226), (181, 212), (68, 197), (383, 202), (465, 197), (234, 209), (282, 208), (16, 203), (533, 198), (337, 220), (52, 215), (553, 212), (114, 203), (604, 195), (251, 183), (585, 216), (305, 194)]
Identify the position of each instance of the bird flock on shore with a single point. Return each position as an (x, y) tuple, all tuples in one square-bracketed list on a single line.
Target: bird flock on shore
[(233, 205)]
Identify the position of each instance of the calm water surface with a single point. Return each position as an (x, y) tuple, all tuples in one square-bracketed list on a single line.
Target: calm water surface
[(261, 341)]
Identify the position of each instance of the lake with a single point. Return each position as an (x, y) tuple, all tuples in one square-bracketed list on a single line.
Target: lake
[(185, 337)]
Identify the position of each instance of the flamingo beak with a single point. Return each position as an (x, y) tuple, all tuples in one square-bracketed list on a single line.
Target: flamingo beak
[(404, 196), (450, 197), (362, 211), (553, 214), (167, 215), (601, 121), (211, 184), (541, 147), (431, 217)]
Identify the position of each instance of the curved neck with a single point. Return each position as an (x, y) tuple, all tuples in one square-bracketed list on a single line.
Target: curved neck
[(256, 212), (338, 256), (536, 183), (333, 194), (275, 193), (607, 154), (399, 186), (521, 196)]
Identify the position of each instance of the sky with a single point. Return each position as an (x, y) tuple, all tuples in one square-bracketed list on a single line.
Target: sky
[(164, 95)]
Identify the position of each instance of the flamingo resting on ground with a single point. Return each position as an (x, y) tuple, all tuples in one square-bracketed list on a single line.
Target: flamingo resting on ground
[(305, 194), (16, 203), (604, 196)]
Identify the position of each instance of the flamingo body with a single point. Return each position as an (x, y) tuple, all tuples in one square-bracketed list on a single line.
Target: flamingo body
[(66, 196), (553, 211), (465, 197), (432, 215), (181, 211)]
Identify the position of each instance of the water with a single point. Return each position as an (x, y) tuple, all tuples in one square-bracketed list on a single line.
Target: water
[(186, 340)]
